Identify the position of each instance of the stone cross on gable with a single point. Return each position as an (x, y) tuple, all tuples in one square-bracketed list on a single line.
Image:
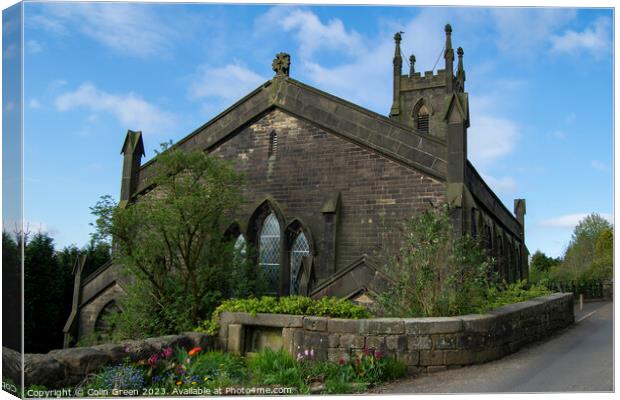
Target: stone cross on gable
[(281, 64)]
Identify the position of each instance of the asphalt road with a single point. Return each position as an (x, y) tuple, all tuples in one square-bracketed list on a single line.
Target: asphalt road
[(577, 359)]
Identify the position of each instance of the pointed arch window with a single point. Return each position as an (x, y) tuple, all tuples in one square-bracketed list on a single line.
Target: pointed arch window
[(422, 118), (299, 250), (269, 251), (103, 326)]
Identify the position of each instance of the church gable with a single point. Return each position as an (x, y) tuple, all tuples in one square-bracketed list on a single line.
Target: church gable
[(335, 115)]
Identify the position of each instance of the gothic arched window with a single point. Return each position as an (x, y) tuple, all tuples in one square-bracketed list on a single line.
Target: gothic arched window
[(269, 252), (299, 250), (422, 119)]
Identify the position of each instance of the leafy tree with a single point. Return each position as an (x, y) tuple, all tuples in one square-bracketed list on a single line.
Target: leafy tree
[(434, 273), (11, 292), (541, 262), (172, 243), (541, 266), (590, 251), (43, 294)]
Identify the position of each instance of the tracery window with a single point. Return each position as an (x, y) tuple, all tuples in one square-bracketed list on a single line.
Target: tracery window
[(269, 252), (299, 250)]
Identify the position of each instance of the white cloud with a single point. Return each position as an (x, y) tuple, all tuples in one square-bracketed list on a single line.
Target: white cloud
[(599, 166), (595, 39), (47, 22), (490, 138), (33, 47), (34, 104), (230, 82), (570, 221), (126, 28), (314, 35), (505, 184), (524, 31), (131, 110)]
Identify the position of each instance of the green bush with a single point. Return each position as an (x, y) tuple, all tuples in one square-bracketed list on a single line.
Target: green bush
[(434, 273), (511, 293), (295, 305)]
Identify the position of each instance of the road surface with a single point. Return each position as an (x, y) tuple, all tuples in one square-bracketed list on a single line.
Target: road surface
[(578, 359)]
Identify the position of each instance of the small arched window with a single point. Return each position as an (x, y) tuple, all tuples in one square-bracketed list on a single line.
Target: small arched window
[(299, 250), (269, 252), (422, 119), (273, 144)]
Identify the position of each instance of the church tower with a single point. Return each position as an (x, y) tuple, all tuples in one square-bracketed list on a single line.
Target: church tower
[(422, 101)]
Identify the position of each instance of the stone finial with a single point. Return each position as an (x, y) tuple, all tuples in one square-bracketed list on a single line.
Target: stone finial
[(398, 37), (448, 29), (460, 75), (281, 64), (411, 65)]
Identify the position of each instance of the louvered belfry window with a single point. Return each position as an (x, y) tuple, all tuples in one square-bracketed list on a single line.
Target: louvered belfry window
[(299, 250), (269, 252), (422, 120)]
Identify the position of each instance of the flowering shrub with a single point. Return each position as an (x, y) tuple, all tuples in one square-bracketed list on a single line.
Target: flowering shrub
[(371, 366)]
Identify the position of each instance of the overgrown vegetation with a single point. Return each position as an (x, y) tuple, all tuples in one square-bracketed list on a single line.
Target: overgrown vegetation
[(295, 305), (438, 274), (588, 257), (172, 243), (434, 273)]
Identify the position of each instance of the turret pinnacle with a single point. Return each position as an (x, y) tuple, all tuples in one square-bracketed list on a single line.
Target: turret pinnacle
[(460, 74), (449, 58), (398, 70)]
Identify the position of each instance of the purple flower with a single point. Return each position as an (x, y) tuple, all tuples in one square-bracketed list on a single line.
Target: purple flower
[(167, 352)]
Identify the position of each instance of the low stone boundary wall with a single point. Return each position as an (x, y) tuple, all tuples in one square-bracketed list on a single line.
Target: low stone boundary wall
[(62, 368), (423, 344)]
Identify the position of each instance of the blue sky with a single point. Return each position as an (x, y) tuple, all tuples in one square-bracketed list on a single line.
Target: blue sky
[(540, 84)]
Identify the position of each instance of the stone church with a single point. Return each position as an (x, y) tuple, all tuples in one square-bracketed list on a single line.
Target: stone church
[(328, 182)]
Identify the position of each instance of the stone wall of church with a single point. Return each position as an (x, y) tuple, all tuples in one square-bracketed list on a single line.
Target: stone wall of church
[(309, 165)]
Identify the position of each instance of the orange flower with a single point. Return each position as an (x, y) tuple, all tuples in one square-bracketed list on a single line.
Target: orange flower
[(194, 351)]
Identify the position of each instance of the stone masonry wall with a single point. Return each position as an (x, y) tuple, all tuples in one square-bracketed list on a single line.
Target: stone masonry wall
[(67, 367), (423, 344), (309, 165)]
